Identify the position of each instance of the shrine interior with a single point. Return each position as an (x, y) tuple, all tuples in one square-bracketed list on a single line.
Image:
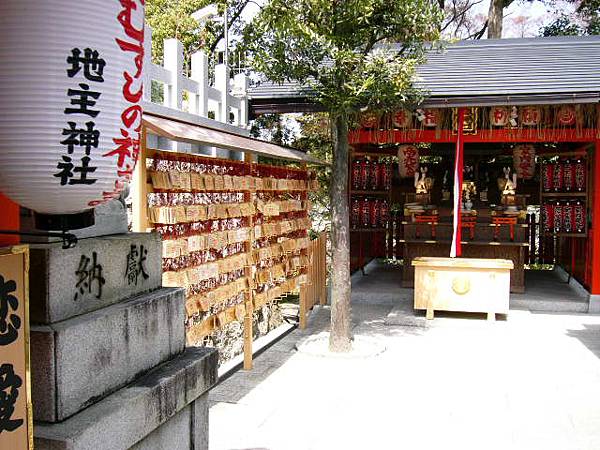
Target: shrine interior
[(521, 201)]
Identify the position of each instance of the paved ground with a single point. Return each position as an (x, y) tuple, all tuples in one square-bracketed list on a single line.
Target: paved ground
[(530, 382)]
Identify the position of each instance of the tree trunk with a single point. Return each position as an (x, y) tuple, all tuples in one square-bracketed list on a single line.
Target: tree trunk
[(340, 339), (495, 16)]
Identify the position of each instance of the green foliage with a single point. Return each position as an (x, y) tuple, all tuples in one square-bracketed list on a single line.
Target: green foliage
[(589, 12), (342, 48), (270, 127), (173, 19), (315, 139), (585, 21), (562, 26)]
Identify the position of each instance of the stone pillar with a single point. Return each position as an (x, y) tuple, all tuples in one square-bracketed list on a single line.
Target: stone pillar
[(109, 365), (222, 85)]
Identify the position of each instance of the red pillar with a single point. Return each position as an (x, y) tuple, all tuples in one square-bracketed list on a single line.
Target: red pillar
[(9, 220), (595, 231)]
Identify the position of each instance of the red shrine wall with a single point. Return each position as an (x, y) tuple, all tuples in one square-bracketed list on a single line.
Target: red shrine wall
[(594, 240), (9, 220)]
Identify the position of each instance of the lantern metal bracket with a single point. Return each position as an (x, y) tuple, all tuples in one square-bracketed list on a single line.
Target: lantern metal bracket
[(69, 240)]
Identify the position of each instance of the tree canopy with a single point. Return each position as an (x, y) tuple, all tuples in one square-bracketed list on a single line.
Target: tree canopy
[(586, 20), (355, 55), (173, 19), (341, 47)]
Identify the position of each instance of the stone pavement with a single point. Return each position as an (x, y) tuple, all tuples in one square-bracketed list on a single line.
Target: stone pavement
[(530, 382)]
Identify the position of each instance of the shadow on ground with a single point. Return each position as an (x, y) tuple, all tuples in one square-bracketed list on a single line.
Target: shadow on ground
[(588, 336)]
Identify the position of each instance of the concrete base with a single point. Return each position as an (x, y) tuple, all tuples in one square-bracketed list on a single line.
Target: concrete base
[(188, 430), (66, 283), (110, 218), (165, 409), (78, 361), (404, 315), (594, 305), (551, 291)]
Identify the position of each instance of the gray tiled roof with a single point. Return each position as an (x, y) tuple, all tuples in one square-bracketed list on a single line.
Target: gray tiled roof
[(557, 69)]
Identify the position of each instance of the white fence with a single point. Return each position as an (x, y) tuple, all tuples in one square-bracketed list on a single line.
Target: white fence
[(227, 98)]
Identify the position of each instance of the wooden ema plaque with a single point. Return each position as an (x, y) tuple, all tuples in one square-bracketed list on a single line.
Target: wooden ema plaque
[(16, 423)]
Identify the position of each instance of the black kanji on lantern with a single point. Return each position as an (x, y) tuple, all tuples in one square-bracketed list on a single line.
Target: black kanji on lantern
[(68, 171), (83, 137), (9, 325), (83, 98), (93, 65), (88, 275), (136, 264), (10, 383)]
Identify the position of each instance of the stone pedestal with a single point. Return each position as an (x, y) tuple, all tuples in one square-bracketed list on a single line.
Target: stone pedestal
[(109, 219), (109, 364)]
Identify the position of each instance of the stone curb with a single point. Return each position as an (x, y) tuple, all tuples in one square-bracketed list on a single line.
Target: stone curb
[(124, 418)]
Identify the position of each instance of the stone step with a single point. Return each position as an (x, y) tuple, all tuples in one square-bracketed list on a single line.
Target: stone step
[(165, 409), (540, 305), (96, 273), (76, 362)]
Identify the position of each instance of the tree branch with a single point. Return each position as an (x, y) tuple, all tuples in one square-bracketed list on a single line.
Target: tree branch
[(230, 22), (479, 34)]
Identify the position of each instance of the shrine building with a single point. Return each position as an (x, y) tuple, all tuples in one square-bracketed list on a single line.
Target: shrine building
[(527, 156)]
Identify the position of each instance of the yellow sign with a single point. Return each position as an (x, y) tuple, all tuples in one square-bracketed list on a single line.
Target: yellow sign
[(16, 423)]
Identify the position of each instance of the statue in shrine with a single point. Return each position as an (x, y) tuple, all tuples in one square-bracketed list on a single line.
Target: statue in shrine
[(423, 185), (469, 191), (507, 187)]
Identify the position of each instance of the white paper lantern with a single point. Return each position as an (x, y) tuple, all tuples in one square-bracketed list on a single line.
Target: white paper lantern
[(524, 161), (70, 87), (402, 118), (408, 160)]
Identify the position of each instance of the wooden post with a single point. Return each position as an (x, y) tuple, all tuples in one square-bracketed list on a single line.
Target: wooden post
[(303, 307), (139, 183), (304, 288), (249, 304), (595, 231)]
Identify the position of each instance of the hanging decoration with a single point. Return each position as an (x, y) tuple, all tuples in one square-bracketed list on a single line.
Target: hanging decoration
[(229, 227), (499, 116), (428, 117), (469, 123), (531, 116), (524, 161), (514, 116), (566, 115), (70, 116), (369, 120), (402, 118), (408, 161)]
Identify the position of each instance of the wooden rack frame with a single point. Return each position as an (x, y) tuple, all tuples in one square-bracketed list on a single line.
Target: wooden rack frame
[(310, 278)]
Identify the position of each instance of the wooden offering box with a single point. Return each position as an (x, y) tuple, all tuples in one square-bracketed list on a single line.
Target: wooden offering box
[(462, 284)]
